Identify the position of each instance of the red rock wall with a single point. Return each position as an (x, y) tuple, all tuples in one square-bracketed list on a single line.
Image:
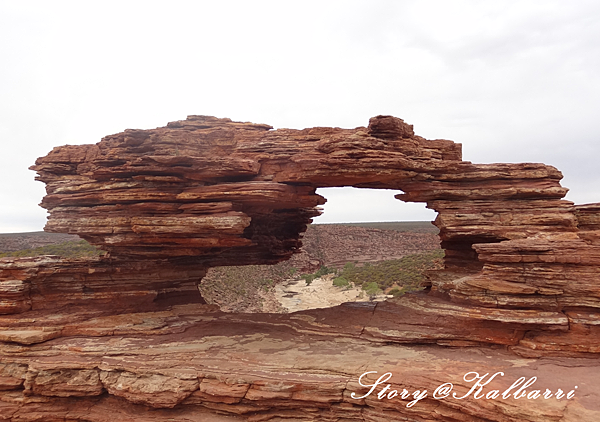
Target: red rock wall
[(212, 188), (111, 338)]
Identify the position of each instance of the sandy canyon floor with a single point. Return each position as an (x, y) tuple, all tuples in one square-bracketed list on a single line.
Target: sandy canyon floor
[(296, 295)]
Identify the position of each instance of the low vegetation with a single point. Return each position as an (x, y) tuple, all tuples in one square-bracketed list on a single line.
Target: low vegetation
[(244, 288), (70, 249), (341, 282), (320, 273), (401, 226), (395, 277)]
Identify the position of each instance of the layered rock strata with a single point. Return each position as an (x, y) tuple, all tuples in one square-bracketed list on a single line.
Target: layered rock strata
[(49, 283), (111, 338), (212, 188), (194, 363)]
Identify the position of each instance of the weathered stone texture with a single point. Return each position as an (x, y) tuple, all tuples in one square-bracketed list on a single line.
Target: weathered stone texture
[(126, 336)]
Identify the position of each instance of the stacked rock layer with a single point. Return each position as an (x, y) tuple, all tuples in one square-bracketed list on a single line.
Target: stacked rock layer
[(110, 338)]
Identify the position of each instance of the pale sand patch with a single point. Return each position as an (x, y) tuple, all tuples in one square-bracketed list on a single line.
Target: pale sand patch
[(295, 295)]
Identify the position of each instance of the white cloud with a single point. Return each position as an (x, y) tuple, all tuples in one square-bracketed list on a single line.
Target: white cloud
[(513, 81), (347, 205)]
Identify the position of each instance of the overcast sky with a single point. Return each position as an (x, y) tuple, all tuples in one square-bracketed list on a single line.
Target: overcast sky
[(513, 81)]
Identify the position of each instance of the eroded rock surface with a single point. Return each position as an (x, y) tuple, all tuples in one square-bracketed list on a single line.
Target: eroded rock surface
[(126, 336)]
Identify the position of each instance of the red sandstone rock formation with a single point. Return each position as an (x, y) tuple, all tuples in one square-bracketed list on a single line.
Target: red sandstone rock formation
[(113, 338)]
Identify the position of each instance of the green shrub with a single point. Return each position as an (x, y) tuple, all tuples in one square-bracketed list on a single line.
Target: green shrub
[(408, 271), (350, 266), (371, 288), (319, 273), (309, 278), (397, 292), (324, 270), (341, 282)]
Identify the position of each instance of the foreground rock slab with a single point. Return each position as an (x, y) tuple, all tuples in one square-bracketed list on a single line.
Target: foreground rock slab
[(212, 366)]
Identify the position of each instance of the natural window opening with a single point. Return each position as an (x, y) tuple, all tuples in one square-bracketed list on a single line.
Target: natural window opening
[(367, 246)]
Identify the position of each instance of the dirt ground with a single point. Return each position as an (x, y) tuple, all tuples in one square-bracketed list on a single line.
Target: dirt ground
[(295, 295)]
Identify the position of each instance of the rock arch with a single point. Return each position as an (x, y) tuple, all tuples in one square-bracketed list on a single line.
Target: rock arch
[(521, 274), (212, 192), (211, 189)]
